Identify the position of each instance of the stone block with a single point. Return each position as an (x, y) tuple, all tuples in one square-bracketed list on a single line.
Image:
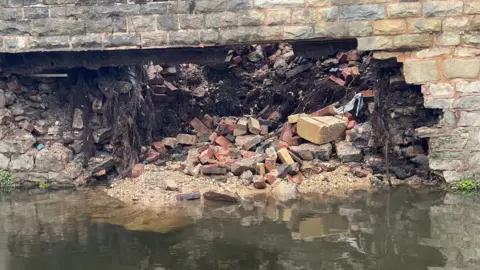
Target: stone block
[(4, 162), (184, 38), (14, 28), (328, 14), (389, 27), (207, 6), (57, 27), (317, 3), (461, 68), (304, 16), (475, 23), (192, 21), (111, 41), (115, 10), (360, 29), (53, 158), (15, 43), (362, 13), (254, 126), (278, 3), (158, 8), (167, 22), (468, 87), (447, 39), (331, 29), (298, 32), (437, 103), (156, 39), (21, 163), (455, 24), (11, 14), (35, 12), (89, 41), (420, 72), (221, 20), (308, 151), (375, 43), (209, 36), (424, 25), (239, 4), (170, 142), (472, 6), (285, 156), (213, 170), (347, 152), (442, 8), (141, 23), (72, 12), (278, 16), (440, 89), (320, 130), (412, 41), (404, 10), (251, 34), (251, 18), (48, 43), (433, 52), (467, 102), (186, 139), (472, 38), (468, 119)]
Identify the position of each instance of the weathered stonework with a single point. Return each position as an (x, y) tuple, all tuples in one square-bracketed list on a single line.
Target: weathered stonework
[(438, 42)]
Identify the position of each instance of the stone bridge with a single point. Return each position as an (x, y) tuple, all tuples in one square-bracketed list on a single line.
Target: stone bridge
[(438, 42)]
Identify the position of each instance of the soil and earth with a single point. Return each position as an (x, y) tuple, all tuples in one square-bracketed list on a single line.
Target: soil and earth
[(156, 134)]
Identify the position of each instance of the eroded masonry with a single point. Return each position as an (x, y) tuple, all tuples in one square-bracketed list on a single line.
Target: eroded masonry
[(396, 93)]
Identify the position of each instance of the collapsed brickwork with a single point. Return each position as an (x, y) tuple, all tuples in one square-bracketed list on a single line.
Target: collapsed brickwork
[(438, 42)]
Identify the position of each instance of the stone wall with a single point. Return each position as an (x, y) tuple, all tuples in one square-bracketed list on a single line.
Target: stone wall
[(438, 41), (29, 25)]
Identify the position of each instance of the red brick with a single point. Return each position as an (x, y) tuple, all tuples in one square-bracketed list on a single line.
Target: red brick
[(342, 58), (206, 156), (160, 147), (207, 121), (231, 125), (296, 179), (351, 124), (223, 142), (198, 126), (275, 116), (353, 56), (152, 155), (270, 178), (270, 164), (137, 170), (263, 129), (349, 116), (170, 86), (221, 154), (368, 93), (282, 144), (28, 127), (222, 128), (186, 139), (286, 134), (248, 154), (237, 59), (213, 137), (336, 80), (327, 111)]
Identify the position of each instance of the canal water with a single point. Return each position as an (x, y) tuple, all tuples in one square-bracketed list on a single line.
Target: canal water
[(401, 229)]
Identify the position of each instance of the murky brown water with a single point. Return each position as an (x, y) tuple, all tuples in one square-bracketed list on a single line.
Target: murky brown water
[(403, 229)]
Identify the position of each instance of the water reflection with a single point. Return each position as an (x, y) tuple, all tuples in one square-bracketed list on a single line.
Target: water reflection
[(403, 229)]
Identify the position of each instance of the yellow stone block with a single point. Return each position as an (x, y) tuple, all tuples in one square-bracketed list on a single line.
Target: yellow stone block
[(260, 168), (285, 156), (321, 129), (292, 119)]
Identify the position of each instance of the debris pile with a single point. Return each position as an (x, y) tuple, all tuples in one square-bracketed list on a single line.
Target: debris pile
[(263, 115)]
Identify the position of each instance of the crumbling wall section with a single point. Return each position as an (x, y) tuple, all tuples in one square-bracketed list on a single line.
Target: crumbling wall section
[(450, 79)]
